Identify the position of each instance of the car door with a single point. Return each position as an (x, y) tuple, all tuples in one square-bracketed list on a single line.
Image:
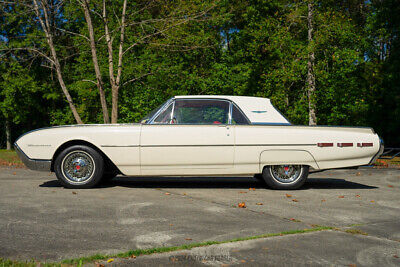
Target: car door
[(190, 136)]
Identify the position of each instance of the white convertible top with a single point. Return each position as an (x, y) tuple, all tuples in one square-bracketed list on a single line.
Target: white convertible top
[(257, 109)]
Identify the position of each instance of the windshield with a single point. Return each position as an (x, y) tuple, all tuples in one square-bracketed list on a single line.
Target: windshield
[(151, 114)]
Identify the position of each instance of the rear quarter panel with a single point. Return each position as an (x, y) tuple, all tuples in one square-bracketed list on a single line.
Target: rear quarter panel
[(258, 143)]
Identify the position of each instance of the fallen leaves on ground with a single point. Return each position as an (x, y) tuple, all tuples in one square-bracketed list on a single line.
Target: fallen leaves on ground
[(341, 196), (389, 185), (99, 264), (74, 193), (323, 200), (295, 200), (242, 205), (133, 256), (13, 164), (358, 196), (381, 163), (294, 220), (288, 196), (188, 239), (242, 192), (396, 256), (259, 203)]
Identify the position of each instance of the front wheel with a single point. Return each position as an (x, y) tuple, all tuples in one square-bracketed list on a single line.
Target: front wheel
[(79, 167), (285, 176)]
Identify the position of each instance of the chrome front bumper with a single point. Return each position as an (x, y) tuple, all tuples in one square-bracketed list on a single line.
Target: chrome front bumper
[(33, 164)]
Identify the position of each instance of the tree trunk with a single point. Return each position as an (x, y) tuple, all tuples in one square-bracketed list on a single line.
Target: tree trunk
[(8, 134), (64, 88), (49, 37), (99, 78), (312, 118), (116, 86)]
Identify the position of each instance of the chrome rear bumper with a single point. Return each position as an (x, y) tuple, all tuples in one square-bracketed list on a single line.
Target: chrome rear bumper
[(33, 164), (380, 151)]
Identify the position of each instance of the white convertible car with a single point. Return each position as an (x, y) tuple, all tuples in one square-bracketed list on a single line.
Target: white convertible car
[(199, 135)]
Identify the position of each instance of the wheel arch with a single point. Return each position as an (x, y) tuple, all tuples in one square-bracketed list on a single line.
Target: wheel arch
[(286, 156), (109, 165)]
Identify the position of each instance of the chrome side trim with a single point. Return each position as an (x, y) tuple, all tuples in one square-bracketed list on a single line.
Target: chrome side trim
[(215, 145), (272, 123), (208, 145), (119, 145), (33, 164), (276, 145)]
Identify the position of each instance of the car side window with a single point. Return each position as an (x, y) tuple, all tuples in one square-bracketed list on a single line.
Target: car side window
[(238, 117), (165, 116), (191, 111)]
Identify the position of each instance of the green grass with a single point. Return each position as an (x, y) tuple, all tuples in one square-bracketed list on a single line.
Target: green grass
[(11, 263), (9, 156), (355, 232), (138, 252), (395, 161)]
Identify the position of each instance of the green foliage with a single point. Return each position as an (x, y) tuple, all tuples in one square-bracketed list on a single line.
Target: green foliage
[(256, 47)]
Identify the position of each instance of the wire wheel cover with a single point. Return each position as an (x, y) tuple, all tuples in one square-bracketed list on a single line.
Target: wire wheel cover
[(286, 173), (78, 167)]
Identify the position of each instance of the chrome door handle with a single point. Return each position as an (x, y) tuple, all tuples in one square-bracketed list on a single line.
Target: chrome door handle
[(224, 126)]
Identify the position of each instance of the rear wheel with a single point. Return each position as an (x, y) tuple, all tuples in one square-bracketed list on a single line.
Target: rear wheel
[(79, 167), (285, 176)]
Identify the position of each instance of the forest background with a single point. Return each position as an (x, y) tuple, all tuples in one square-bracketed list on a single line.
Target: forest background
[(101, 61)]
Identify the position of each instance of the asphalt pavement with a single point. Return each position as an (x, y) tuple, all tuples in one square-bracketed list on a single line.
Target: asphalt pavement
[(41, 220)]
